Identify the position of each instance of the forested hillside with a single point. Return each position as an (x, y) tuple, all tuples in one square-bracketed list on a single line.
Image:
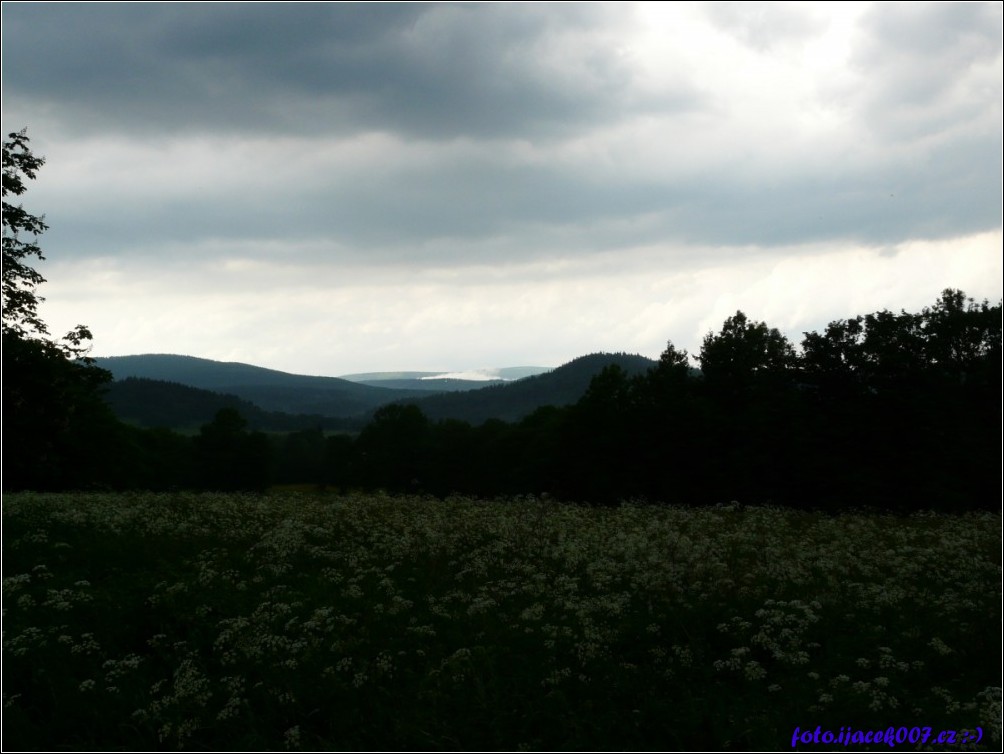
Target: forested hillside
[(169, 405), (515, 400), (895, 411), (268, 389)]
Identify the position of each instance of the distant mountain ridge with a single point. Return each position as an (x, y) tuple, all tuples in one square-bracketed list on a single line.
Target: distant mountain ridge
[(268, 389), (315, 399), (208, 372), (156, 403), (512, 401), (497, 374), (445, 382)]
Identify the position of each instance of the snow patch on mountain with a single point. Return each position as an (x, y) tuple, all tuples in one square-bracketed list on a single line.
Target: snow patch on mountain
[(474, 375)]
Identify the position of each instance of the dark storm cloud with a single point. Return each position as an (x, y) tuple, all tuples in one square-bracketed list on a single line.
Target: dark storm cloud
[(458, 88), (546, 210), (431, 70), (247, 180), (397, 211)]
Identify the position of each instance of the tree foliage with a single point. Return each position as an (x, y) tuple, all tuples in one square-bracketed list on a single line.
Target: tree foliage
[(56, 426), (20, 280), (895, 410), (745, 354), (21, 230), (229, 457)]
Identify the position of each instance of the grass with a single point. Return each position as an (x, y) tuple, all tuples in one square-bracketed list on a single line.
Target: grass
[(367, 622)]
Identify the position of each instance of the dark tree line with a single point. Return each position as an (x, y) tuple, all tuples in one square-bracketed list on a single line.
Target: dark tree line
[(896, 411), (890, 410), (53, 417)]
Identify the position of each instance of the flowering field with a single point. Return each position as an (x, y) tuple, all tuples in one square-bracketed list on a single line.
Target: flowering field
[(368, 622)]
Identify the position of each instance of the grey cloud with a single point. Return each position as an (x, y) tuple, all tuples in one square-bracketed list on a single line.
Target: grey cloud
[(933, 29), (400, 215), (451, 211), (493, 74), (763, 25), (913, 54), (437, 71)]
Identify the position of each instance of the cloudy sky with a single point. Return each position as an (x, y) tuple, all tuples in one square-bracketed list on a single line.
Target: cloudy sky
[(336, 188)]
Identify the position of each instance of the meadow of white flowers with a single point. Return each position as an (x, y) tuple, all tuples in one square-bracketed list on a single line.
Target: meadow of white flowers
[(371, 622)]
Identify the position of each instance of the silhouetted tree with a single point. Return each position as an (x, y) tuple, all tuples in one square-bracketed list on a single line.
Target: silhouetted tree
[(301, 458), (833, 362), (392, 450), (601, 439), (673, 431), (963, 338), (57, 430), (909, 396), (745, 353), (339, 462), (153, 459), (893, 411), (452, 459), (20, 279), (229, 457), (748, 370), (674, 364), (543, 463)]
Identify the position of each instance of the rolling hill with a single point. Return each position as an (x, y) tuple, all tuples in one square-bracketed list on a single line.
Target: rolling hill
[(170, 405), (439, 382), (269, 389), (184, 392), (512, 401)]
